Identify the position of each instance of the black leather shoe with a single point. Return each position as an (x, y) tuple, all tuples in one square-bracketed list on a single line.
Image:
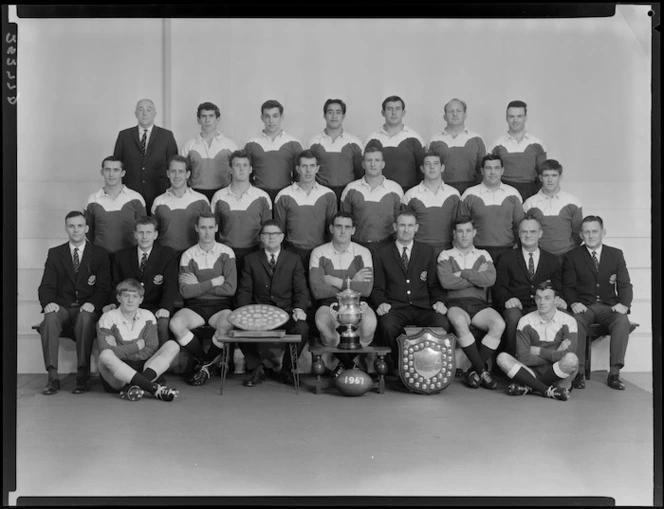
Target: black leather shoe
[(257, 377), (52, 387), (80, 388), (579, 382), (615, 382)]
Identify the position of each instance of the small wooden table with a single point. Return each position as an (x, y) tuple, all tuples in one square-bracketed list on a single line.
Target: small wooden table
[(274, 336), (318, 367)]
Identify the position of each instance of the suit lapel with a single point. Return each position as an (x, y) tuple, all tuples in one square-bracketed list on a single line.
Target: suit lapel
[(398, 260), (85, 260), (133, 263), (68, 263), (266, 264), (589, 261), (134, 136), (154, 136), (522, 263)]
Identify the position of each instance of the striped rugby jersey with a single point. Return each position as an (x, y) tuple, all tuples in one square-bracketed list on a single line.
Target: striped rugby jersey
[(111, 220), (496, 214), (304, 217), (240, 217), (325, 260), (177, 217), (462, 155), (373, 210)]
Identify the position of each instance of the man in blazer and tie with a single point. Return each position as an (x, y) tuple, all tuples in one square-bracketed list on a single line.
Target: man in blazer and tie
[(406, 288), (145, 151), (517, 279), (276, 277), (155, 267), (73, 289), (598, 289)]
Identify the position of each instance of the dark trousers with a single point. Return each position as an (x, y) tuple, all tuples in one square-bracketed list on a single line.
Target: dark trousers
[(616, 323), (391, 325), (512, 317), (526, 189), (81, 323), (251, 351)]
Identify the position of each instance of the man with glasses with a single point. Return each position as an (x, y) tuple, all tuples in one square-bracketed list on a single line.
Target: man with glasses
[(276, 277)]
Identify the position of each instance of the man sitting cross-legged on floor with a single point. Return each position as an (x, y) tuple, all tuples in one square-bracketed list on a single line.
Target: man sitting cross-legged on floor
[(208, 279), (330, 266), (466, 272), (546, 346), (128, 357)]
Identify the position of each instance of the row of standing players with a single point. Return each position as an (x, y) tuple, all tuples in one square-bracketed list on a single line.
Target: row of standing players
[(307, 167), (145, 150)]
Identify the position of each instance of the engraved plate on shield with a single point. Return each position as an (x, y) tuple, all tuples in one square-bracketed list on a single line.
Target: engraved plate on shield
[(427, 361)]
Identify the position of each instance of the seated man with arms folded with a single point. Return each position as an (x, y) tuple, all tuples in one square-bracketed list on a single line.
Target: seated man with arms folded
[(130, 360), (546, 346), (207, 280), (329, 268), (466, 272)]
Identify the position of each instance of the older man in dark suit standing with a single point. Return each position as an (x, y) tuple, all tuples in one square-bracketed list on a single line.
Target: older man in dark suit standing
[(145, 151), (73, 289), (155, 267), (518, 272), (406, 288), (276, 277), (598, 289)]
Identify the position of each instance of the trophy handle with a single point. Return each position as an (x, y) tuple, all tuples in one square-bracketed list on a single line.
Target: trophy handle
[(334, 310)]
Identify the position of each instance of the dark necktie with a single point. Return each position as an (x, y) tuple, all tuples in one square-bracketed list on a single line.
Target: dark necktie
[(273, 262), (144, 140), (595, 261), (404, 257), (531, 267), (144, 262), (77, 260)]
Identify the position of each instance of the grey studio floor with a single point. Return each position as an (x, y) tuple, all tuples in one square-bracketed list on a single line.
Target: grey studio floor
[(268, 441)]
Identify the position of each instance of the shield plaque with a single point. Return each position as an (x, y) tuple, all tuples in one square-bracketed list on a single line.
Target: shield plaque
[(426, 360)]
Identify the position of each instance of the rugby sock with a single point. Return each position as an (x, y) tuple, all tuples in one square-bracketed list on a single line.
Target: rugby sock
[(474, 357), (524, 377), (195, 349), (150, 374), (211, 353), (144, 383), (553, 375), (488, 346)]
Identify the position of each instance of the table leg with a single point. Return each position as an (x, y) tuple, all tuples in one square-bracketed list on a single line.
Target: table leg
[(296, 374), (318, 368), (381, 368), (225, 353)]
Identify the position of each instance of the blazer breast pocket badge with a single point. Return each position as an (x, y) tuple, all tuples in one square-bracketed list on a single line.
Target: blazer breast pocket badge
[(423, 275), (92, 280), (158, 279), (613, 279)]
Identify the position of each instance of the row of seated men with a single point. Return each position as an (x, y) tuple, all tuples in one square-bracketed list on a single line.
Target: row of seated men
[(405, 281), (146, 150)]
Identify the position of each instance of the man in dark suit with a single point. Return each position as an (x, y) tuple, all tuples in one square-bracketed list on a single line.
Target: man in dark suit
[(274, 276), (155, 267), (145, 151), (517, 279), (598, 289), (406, 288), (73, 289)]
